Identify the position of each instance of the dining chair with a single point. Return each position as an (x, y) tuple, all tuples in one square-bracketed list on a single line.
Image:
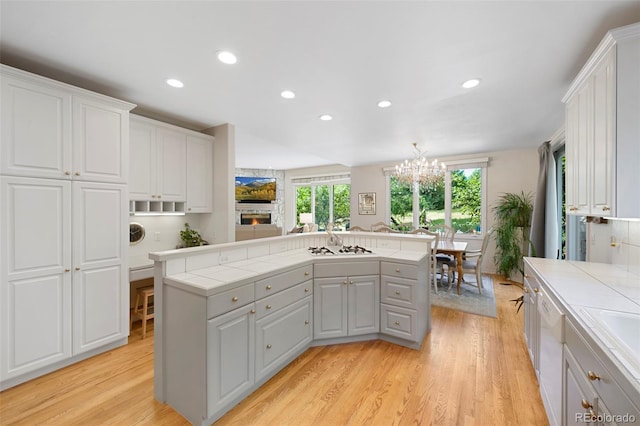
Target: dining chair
[(384, 228), (472, 261), (446, 233), (435, 267), (379, 225), (358, 229)]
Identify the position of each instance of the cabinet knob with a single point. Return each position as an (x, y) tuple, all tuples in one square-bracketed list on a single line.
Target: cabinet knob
[(253, 311), (67, 173), (526, 290), (306, 274), (77, 173), (153, 196), (306, 322), (350, 282), (586, 404), (268, 306), (593, 376), (613, 244), (234, 299), (189, 209), (268, 287), (269, 346), (344, 282), (397, 323), (397, 292), (77, 269), (67, 270), (306, 290), (606, 209), (536, 290), (159, 196), (397, 269)]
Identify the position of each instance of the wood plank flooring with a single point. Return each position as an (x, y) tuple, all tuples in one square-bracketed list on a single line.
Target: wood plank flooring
[(471, 370)]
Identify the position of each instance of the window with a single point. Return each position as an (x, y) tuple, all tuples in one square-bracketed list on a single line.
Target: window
[(456, 200), (329, 203)]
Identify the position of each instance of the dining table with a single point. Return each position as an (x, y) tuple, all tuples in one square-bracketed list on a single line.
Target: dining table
[(455, 249)]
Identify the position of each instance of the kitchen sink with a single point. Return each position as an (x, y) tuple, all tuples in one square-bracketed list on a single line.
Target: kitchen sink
[(622, 329)]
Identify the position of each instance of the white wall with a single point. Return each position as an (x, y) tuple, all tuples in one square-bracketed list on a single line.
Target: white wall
[(369, 179), (616, 242)]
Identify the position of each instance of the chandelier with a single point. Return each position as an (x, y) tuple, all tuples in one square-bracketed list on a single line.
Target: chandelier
[(419, 170)]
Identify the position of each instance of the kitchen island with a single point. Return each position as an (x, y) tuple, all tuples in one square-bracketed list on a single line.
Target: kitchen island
[(230, 316)]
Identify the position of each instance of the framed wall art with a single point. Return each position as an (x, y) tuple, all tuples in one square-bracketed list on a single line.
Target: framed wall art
[(367, 203)]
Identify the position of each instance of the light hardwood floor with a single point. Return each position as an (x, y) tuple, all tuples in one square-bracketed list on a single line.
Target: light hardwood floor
[(471, 370)]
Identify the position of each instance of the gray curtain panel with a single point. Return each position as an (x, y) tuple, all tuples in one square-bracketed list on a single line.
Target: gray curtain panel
[(537, 234)]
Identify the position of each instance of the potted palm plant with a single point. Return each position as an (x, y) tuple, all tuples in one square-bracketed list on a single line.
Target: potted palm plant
[(512, 223)]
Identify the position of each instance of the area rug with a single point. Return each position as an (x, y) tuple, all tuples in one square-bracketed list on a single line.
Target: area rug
[(468, 300)]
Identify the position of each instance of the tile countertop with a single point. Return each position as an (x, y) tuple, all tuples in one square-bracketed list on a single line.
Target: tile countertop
[(219, 278), (584, 287)]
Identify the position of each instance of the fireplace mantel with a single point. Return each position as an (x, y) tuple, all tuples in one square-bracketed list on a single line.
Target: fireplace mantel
[(255, 206)]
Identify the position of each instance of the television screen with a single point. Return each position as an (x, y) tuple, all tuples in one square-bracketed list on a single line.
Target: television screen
[(255, 189)]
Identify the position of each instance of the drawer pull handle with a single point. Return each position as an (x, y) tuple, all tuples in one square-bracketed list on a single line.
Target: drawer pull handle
[(613, 244), (268, 287), (606, 209), (586, 404), (253, 311), (268, 306), (397, 292), (593, 376), (234, 299), (526, 290), (306, 273), (306, 290), (268, 346), (397, 269), (397, 323), (536, 290), (306, 321)]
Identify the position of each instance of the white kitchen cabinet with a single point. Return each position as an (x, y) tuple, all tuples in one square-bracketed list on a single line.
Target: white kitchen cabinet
[(230, 357), (53, 130), (35, 253), (530, 308), (346, 306), (602, 129), (199, 174), (158, 161), (170, 164), (100, 273), (64, 276)]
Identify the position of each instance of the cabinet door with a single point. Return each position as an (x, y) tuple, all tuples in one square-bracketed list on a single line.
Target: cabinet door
[(230, 356), (578, 401), (582, 154), (100, 283), (35, 280), (330, 307), (36, 129), (142, 161), (100, 141), (199, 175), (171, 151), (571, 143), (364, 305), (531, 322), (603, 137), (280, 335)]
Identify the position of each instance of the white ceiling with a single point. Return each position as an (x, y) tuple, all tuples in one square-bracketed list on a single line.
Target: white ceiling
[(339, 57)]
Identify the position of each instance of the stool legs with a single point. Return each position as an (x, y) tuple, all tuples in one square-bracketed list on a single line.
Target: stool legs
[(142, 312)]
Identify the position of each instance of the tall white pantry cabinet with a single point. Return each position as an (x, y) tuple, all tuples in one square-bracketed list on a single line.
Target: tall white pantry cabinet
[(64, 218)]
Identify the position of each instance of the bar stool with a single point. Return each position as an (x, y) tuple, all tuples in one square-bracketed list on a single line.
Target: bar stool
[(144, 312)]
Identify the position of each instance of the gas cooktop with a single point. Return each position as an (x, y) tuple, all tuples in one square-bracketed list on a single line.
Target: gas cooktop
[(338, 251)]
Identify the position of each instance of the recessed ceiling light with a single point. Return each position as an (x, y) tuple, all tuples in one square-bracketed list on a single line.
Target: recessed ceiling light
[(471, 83), (174, 83), (287, 94), (326, 117), (227, 57), (384, 104)]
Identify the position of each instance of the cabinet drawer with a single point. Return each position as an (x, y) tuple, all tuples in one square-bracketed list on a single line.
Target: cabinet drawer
[(346, 269), (229, 300), (276, 283), (609, 391), (398, 270), (399, 322), (282, 335), (399, 292), (271, 304)]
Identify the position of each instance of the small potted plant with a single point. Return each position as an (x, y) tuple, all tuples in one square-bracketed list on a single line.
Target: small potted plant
[(190, 237)]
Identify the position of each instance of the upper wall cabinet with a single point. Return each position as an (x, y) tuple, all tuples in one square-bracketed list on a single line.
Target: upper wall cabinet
[(53, 130), (170, 164), (603, 129)]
